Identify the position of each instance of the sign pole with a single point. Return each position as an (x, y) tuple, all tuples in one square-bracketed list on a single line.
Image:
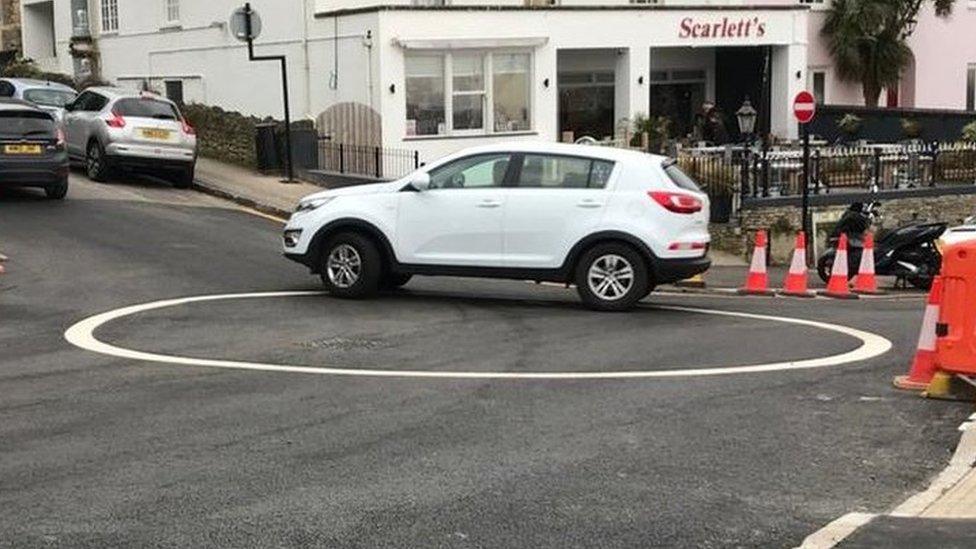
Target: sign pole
[(249, 31), (805, 128)]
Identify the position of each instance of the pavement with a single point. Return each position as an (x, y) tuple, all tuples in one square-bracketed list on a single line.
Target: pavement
[(105, 450), (269, 194)]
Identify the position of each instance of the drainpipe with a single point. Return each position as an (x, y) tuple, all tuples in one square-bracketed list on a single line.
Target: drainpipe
[(307, 65)]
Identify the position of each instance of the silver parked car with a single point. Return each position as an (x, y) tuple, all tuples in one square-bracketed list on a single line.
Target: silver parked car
[(115, 129), (49, 96)]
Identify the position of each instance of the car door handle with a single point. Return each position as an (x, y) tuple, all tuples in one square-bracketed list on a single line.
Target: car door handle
[(589, 203), (489, 203)]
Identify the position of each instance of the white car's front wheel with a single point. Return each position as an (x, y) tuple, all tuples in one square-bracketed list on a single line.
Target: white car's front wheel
[(351, 266), (612, 277)]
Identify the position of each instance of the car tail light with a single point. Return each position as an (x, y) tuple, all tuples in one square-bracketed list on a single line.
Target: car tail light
[(188, 129), (677, 202), (116, 120)]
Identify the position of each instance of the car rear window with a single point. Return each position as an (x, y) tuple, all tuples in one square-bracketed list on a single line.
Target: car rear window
[(21, 124), (680, 178), (49, 98), (146, 108)]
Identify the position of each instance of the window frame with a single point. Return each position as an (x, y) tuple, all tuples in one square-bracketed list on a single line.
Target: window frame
[(519, 159), (487, 94), (108, 12), (813, 72), (971, 87)]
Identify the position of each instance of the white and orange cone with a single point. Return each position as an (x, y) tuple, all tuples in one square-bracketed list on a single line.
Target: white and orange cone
[(866, 281), (795, 284), (837, 284), (757, 282), (925, 365)]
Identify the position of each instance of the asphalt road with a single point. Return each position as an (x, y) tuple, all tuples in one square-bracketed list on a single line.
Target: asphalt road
[(99, 451)]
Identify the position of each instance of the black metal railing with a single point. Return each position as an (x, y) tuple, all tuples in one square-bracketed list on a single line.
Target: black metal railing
[(366, 160), (833, 169)]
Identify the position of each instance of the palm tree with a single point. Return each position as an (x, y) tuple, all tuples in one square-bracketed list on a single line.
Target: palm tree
[(868, 40)]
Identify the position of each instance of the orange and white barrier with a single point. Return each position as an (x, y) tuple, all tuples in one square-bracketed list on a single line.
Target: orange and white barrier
[(925, 363)]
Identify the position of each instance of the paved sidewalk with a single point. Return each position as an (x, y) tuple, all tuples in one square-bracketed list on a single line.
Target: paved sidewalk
[(264, 193)]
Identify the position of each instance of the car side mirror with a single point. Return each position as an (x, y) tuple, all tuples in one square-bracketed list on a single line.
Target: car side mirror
[(420, 182)]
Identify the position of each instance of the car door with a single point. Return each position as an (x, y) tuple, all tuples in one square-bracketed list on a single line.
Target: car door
[(458, 220), (555, 202), (73, 126), (84, 122)]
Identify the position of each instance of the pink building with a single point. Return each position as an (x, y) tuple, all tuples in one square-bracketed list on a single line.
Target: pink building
[(942, 76)]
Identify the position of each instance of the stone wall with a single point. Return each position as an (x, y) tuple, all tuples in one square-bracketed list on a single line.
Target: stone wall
[(10, 26), (223, 135), (783, 222)]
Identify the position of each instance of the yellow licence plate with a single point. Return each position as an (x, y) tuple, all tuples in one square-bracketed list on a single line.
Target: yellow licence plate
[(151, 133), (22, 149)]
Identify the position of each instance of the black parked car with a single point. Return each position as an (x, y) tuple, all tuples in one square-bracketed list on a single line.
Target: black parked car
[(32, 149)]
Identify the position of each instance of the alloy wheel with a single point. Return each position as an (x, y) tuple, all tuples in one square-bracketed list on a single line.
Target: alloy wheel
[(610, 277), (344, 266)]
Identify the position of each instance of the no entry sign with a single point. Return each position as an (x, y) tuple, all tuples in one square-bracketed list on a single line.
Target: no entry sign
[(804, 107)]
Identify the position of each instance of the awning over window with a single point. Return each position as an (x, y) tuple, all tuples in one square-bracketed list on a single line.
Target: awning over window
[(470, 43)]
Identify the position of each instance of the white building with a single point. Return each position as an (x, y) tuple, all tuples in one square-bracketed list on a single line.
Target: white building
[(436, 78)]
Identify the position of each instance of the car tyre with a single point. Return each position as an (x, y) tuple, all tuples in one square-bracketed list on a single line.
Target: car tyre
[(612, 277), (57, 191), (351, 266), (184, 179), (96, 165)]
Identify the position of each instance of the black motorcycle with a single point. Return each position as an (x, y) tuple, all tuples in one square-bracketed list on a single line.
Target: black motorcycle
[(908, 253)]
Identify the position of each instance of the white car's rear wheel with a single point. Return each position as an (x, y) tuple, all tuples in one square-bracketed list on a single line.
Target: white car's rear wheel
[(612, 277)]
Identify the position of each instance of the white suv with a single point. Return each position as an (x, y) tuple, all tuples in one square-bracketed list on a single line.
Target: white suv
[(614, 222)]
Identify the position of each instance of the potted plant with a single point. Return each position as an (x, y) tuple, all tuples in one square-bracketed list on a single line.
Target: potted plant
[(849, 125), (911, 127), (657, 129), (969, 132)]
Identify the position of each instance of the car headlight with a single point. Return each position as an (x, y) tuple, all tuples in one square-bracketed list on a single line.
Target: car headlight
[(313, 203)]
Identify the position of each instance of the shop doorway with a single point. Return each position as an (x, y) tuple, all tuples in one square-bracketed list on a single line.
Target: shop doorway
[(678, 95), (587, 92)]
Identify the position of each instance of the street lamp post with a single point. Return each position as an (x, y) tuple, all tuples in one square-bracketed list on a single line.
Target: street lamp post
[(746, 117)]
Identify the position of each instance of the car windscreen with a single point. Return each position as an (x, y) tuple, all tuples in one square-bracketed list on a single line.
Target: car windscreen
[(49, 97), (26, 124), (146, 108), (680, 178)]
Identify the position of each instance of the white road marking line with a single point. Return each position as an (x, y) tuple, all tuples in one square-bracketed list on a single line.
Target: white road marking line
[(82, 335)]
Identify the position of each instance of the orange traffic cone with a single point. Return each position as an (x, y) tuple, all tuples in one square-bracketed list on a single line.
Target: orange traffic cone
[(924, 365), (796, 280), (757, 283), (866, 282), (837, 284)]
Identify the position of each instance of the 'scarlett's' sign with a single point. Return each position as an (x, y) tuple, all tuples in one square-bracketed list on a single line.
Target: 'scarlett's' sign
[(745, 27)]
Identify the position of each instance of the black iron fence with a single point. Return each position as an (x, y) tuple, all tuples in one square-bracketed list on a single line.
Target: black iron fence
[(833, 169), (365, 160)]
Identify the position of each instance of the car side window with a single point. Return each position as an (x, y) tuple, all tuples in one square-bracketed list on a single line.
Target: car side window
[(566, 172), (6, 89), (81, 103), (97, 102), (472, 172)]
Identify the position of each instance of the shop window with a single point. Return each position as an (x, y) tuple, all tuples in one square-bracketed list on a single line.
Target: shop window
[(425, 95), (110, 15), (510, 91), (470, 92)]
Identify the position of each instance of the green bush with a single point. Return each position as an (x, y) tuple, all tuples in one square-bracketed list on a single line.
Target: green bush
[(911, 127), (26, 68), (850, 124), (969, 132)]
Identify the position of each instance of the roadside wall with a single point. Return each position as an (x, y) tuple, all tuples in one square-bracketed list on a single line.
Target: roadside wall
[(783, 222)]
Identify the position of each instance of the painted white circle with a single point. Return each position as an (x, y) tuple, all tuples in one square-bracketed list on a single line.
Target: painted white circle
[(82, 335)]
